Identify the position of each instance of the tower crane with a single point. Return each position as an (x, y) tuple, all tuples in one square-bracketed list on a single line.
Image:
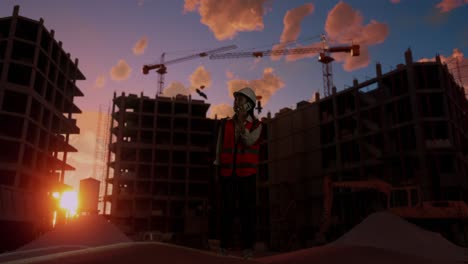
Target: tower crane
[(161, 68), (324, 58)]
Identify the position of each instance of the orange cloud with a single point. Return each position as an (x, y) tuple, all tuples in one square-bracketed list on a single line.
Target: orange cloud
[(121, 71), (200, 77), (268, 85), (294, 57), (456, 54), (344, 24), (100, 81), (225, 18), (352, 63), (292, 25), (140, 46), (85, 143), (190, 5), (448, 5), (395, 1), (229, 74), (292, 22), (221, 111), (174, 89)]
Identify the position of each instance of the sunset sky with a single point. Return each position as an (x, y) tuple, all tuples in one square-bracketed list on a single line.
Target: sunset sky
[(114, 39)]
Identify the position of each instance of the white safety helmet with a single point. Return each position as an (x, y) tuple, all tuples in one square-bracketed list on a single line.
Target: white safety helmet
[(249, 93)]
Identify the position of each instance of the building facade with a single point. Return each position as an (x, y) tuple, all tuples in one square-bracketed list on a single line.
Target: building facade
[(161, 173), (396, 142), (399, 142), (293, 179), (37, 89)]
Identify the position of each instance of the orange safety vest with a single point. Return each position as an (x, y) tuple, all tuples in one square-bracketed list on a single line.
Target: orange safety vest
[(246, 159)]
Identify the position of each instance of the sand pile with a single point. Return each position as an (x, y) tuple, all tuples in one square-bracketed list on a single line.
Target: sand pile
[(347, 254), (86, 231), (380, 238), (136, 252), (388, 231)]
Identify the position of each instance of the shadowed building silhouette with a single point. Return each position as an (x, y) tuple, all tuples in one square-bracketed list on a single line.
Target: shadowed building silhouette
[(159, 183), (396, 142), (37, 88)]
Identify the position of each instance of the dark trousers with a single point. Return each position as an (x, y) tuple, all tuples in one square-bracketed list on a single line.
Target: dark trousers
[(240, 191)]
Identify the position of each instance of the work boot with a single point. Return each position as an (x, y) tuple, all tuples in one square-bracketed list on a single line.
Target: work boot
[(247, 253)]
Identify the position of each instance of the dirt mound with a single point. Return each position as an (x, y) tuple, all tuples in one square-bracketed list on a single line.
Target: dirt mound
[(86, 231), (137, 252), (388, 231), (347, 254)]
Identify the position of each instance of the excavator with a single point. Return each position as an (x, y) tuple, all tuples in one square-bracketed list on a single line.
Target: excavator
[(415, 208)]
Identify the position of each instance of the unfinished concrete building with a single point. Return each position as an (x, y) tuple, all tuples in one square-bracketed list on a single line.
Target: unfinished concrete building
[(292, 179), (160, 171), (399, 142), (37, 88), (396, 142)]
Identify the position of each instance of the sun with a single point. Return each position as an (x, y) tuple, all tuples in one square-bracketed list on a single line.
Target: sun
[(69, 202)]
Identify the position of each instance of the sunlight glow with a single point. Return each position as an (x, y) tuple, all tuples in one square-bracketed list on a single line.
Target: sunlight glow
[(54, 219), (69, 202), (56, 195)]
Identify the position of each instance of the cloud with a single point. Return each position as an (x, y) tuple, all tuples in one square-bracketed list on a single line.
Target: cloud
[(229, 74), (221, 110), (121, 71), (85, 143), (200, 77), (292, 25), (225, 18), (190, 5), (100, 81), (451, 62), (456, 54), (437, 18), (294, 57), (174, 89), (395, 1), (352, 63), (344, 24), (140, 46), (292, 22), (268, 85), (448, 5)]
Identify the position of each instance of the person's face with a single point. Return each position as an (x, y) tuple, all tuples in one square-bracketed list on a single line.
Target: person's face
[(239, 102)]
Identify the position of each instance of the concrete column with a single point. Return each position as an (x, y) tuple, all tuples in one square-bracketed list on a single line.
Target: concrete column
[(424, 178)]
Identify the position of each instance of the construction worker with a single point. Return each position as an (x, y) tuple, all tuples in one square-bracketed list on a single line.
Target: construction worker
[(237, 155)]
